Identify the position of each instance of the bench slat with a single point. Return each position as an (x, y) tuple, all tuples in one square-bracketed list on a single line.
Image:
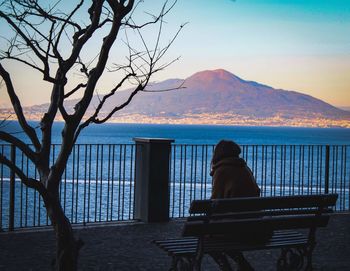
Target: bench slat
[(261, 203), (182, 246), (249, 226)]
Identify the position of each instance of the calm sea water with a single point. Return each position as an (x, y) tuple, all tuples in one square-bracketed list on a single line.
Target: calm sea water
[(201, 134)]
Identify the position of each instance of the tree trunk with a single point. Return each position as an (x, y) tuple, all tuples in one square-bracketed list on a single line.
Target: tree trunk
[(67, 247)]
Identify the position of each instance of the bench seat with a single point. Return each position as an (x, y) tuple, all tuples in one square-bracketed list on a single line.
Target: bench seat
[(183, 246), (223, 228)]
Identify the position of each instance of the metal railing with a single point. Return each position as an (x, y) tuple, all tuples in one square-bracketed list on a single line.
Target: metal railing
[(97, 186), (279, 170), (99, 182)]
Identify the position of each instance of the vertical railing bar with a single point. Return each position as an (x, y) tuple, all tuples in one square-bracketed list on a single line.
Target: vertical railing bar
[(265, 169), (195, 171), (281, 170), (21, 192), (185, 170), (202, 172), (206, 170), (284, 168), (318, 190), (96, 178), (1, 186), (39, 209), (254, 154), (52, 163), (124, 154), (34, 204), (85, 179), (335, 180), (312, 169), (308, 168), (302, 169), (290, 148), (293, 177), (180, 179), (89, 182), (333, 169), (131, 179), (101, 183), (72, 184), (119, 181), (343, 186), (348, 181), (108, 181), (26, 189), (191, 174), (271, 170), (326, 178), (275, 170), (77, 190), (134, 162), (173, 170), (256, 159), (12, 189), (342, 179), (112, 189), (262, 171)]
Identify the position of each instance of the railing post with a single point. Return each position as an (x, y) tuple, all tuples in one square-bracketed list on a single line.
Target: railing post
[(326, 175), (12, 190), (152, 179)]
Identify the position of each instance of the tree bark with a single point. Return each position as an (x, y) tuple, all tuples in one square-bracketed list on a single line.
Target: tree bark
[(67, 246)]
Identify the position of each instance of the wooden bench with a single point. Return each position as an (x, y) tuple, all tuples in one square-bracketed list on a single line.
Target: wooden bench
[(228, 226)]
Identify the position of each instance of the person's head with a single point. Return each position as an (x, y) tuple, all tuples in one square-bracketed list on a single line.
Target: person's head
[(224, 149)]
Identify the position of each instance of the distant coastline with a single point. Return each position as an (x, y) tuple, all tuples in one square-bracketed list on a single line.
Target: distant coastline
[(213, 119)]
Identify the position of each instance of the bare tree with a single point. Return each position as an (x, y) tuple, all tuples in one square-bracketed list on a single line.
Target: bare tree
[(51, 42)]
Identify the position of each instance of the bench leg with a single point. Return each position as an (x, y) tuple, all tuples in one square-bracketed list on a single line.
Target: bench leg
[(243, 264), (308, 252), (294, 259), (187, 263), (221, 261)]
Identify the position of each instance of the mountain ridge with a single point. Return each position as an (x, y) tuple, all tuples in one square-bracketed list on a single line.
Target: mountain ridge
[(220, 97)]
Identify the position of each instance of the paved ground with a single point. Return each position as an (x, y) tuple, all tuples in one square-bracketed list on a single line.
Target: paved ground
[(128, 246)]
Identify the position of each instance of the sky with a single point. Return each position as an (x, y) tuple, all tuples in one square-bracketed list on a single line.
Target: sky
[(301, 45)]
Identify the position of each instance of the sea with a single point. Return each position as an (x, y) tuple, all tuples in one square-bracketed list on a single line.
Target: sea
[(99, 181), (197, 134)]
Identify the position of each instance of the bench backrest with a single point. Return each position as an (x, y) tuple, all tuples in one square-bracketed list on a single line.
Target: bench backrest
[(246, 215)]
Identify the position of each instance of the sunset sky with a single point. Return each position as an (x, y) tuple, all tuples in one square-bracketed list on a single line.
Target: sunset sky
[(290, 44)]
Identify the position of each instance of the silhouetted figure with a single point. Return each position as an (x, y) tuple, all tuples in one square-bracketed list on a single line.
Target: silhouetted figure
[(231, 175), (231, 178)]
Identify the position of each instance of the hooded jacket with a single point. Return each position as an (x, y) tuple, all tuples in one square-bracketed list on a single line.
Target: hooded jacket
[(233, 178)]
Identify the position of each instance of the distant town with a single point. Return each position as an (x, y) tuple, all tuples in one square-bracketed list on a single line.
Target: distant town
[(208, 119)]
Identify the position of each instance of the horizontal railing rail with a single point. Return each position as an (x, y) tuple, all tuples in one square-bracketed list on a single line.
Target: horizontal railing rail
[(98, 184)]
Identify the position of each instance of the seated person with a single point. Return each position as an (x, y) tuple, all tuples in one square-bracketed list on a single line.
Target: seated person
[(231, 175), (231, 178)]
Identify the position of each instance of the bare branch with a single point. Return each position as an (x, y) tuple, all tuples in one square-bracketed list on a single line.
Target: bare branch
[(20, 144), (68, 94), (117, 108), (30, 131), (32, 183), (32, 44), (166, 89), (155, 18)]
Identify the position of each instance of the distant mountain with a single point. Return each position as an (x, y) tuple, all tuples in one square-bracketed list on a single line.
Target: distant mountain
[(219, 91), (221, 97)]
